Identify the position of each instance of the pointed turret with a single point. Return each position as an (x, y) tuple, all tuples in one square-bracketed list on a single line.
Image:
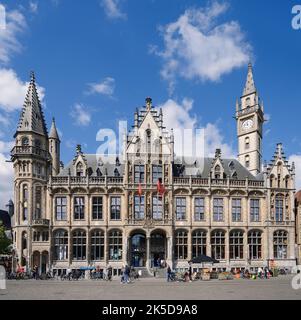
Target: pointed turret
[(250, 84), (53, 131), (32, 117), (54, 148)]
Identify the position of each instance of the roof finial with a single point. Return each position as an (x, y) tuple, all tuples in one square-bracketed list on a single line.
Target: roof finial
[(78, 149), (148, 102)]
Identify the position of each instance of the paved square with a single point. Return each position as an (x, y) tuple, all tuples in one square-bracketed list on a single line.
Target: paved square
[(151, 289)]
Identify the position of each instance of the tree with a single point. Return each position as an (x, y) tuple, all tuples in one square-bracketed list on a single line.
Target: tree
[(4, 241)]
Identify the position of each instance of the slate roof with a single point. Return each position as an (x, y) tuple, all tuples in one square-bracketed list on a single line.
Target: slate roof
[(5, 219)]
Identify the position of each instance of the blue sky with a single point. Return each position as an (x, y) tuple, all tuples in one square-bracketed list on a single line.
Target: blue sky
[(96, 61)]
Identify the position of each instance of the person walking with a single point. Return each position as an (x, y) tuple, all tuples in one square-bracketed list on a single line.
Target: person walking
[(190, 272), (168, 273), (109, 273), (126, 274)]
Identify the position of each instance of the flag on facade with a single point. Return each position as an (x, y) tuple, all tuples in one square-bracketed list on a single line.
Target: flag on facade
[(140, 189), (160, 187)]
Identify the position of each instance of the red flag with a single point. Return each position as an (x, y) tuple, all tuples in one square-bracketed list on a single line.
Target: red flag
[(140, 189), (160, 187)]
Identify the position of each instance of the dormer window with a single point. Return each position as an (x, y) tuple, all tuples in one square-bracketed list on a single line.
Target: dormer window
[(217, 172), (116, 173), (79, 170)]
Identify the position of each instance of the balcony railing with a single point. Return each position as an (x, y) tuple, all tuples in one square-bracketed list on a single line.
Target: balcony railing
[(86, 180), (29, 150), (40, 223)]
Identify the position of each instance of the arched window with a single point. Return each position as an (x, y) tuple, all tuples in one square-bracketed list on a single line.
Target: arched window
[(255, 245), (24, 240), (60, 245), (280, 244), (236, 245), (279, 208), (286, 182), (79, 170), (79, 241), (218, 245), (97, 245), (272, 181), (199, 243), (25, 142), (248, 102), (148, 141), (115, 245), (181, 247), (38, 203)]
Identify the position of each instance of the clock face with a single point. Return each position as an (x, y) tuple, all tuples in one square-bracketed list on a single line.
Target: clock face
[(248, 124)]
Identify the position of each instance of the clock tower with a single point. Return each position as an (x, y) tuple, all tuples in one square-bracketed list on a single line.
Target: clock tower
[(250, 119)]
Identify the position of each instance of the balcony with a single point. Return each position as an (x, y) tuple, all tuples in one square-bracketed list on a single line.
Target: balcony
[(29, 150), (86, 181), (40, 223)]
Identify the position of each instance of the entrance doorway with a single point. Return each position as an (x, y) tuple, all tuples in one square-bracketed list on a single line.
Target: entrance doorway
[(138, 250), (157, 248)]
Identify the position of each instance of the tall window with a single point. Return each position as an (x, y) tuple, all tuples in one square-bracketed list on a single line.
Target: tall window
[(218, 245), (280, 244), (236, 245), (45, 236), (236, 210), (247, 161), (61, 208), (115, 245), (157, 173), (38, 213), (247, 143), (199, 241), (255, 210), (139, 207), (199, 209), (36, 236), (97, 245), (139, 174), (79, 208), (25, 202), (157, 208), (79, 241), (181, 247), (61, 245), (218, 209), (279, 208), (181, 208), (79, 170), (255, 245), (97, 208), (115, 208)]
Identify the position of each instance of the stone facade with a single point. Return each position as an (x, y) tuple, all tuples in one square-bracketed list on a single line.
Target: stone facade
[(151, 205)]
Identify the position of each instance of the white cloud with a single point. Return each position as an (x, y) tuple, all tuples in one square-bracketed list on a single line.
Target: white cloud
[(208, 138), (9, 44), (196, 47), (33, 6), (112, 9), (81, 115), (106, 87), (296, 158), (6, 174), (13, 90)]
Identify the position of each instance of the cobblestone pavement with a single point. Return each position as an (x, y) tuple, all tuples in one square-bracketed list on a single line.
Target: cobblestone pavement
[(151, 289)]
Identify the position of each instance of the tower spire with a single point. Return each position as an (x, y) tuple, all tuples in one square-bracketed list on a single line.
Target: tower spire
[(250, 84), (32, 117)]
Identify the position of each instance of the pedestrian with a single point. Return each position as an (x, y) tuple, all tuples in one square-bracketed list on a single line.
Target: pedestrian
[(122, 274), (126, 274), (168, 273), (109, 273), (190, 272)]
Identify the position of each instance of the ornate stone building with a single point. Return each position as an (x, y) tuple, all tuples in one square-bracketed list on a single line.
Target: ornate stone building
[(104, 210)]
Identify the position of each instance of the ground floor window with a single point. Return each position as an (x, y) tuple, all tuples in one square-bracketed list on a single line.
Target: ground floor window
[(199, 242), (236, 245), (280, 244), (115, 245), (79, 242), (218, 245), (255, 245), (97, 245), (181, 248), (61, 245)]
